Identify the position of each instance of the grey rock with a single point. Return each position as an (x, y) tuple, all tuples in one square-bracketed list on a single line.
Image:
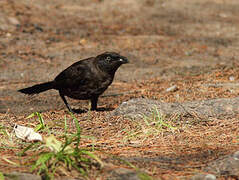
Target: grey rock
[(22, 176), (135, 108), (227, 166), (123, 174), (203, 177), (27, 176)]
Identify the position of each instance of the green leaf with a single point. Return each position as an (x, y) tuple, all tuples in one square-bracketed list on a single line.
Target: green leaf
[(41, 124), (42, 160), (144, 176), (78, 131), (40, 118), (93, 156), (27, 148), (1, 176), (53, 144), (31, 115), (39, 127), (57, 146)]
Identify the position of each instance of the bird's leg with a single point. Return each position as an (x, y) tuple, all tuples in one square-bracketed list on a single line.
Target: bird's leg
[(67, 105), (94, 103)]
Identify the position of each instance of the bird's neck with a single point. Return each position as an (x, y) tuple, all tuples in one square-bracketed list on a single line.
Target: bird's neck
[(108, 69)]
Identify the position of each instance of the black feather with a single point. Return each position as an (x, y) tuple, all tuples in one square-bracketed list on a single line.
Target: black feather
[(38, 88)]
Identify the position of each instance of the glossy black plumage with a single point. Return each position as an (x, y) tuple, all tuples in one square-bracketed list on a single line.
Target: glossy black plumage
[(85, 79)]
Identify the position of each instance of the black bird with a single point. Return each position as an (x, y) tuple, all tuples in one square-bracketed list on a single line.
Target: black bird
[(85, 79)]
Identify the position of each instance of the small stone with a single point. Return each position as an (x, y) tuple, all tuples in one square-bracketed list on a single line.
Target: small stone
[(83, 41), (23, 176), (203, 177), (13, 21), (236, 155), (210, 177), (232, 78), (8, 34), (172, 89)]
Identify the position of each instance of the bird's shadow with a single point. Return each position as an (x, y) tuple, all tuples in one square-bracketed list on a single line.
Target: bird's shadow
[(104, 109), (80, 111)]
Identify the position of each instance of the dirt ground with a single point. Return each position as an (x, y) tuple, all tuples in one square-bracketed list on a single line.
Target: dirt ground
[(191, 44)]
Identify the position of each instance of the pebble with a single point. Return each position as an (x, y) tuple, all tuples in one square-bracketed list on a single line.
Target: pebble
[(236, 155), (13, 21), (172, 88), (232, 78)]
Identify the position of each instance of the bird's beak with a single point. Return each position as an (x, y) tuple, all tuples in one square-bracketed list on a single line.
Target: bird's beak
[(123, 60)]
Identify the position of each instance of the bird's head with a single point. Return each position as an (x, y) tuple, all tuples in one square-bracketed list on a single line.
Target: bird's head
[(110, 61)]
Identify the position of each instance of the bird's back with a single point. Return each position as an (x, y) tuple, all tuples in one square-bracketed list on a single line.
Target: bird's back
[(83, 80)]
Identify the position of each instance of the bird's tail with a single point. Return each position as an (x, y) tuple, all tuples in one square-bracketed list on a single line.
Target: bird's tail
[(38, 88)]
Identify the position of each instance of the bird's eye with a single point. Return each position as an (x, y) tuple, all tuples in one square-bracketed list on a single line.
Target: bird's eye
[(108, 59)]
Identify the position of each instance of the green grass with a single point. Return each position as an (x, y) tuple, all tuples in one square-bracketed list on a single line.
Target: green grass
[(41, 126), (6, 138), (62, 156), (1, 176), (3, 131), (141, 175), (149, 126)]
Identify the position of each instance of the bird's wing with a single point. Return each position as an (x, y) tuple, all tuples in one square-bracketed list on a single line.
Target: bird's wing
[(74, 75)]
